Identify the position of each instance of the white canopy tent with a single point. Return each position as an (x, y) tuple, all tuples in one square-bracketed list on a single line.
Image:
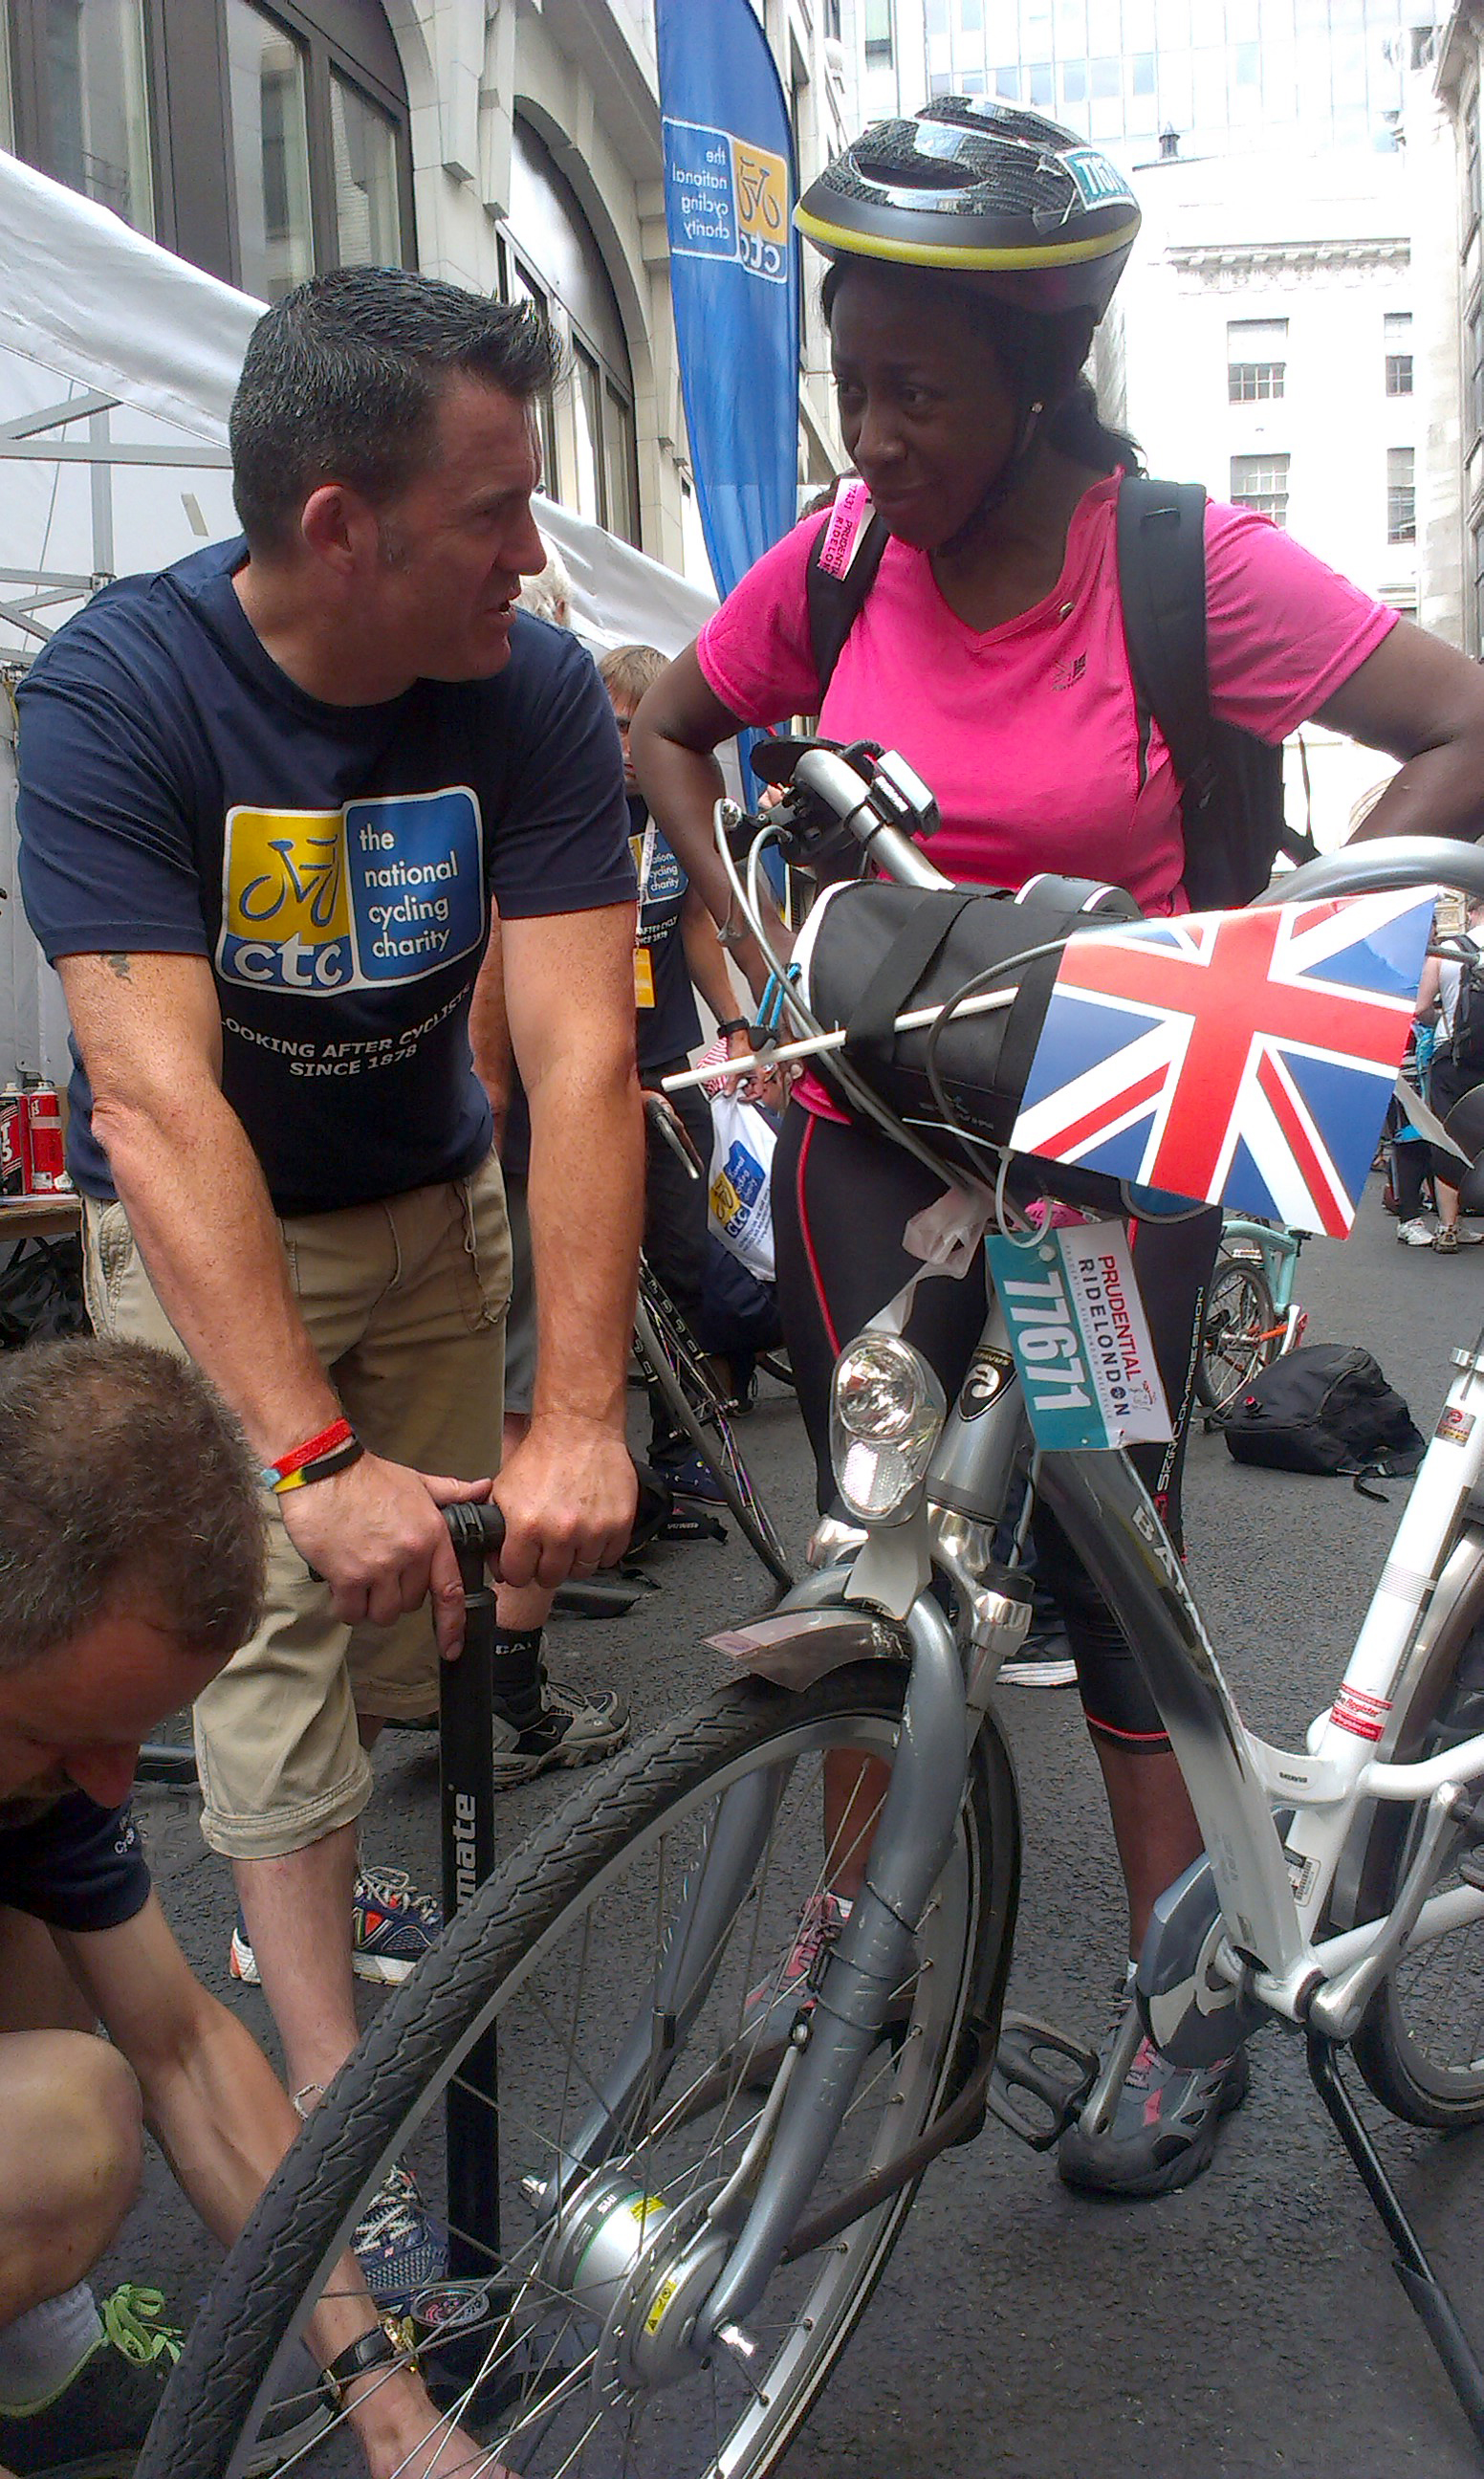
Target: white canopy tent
[(117, 363)]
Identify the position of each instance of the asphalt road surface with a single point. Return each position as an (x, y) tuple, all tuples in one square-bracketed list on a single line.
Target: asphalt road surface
[(1250, 2324)]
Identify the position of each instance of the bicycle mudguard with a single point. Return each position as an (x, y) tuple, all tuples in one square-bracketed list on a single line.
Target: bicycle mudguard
[(793, 1647)]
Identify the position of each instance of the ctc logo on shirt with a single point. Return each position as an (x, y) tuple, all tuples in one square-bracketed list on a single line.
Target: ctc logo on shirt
[(386, 890), (286, 918)]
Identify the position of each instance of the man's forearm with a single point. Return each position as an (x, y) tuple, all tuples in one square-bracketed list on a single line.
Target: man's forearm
[(201, 1214), (222, 2118), (585, 1192)]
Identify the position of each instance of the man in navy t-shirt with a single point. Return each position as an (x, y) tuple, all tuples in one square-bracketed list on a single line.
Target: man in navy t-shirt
[(266, 798)]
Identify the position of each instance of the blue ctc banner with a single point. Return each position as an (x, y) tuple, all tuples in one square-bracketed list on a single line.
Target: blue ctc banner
[(732, 272)]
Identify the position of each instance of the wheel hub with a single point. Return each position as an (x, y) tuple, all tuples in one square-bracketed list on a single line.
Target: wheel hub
[(638, 2266)]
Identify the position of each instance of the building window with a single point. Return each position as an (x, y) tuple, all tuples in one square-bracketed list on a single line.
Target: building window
[(1402, 495), (86, 86), (1399, 352), (877, 16), (1256, 358), (1471, 168), (1477, 583), (269, 153), (589, 436), (368, 210), (285, 147), (1262, 483)]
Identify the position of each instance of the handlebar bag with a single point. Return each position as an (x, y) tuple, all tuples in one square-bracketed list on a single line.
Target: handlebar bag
[(881, 950)]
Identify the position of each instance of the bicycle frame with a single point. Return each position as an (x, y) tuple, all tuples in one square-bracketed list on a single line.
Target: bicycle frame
[(1279, 1252), (1270, 1886)]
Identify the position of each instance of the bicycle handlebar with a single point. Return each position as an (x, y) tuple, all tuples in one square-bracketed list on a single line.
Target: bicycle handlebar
[(1388, 863), (674, 1133)]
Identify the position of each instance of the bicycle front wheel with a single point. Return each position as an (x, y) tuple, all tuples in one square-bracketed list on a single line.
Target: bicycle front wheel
[(1237, 1332), (696, 1405), (576, 2326), (1421, 2045)]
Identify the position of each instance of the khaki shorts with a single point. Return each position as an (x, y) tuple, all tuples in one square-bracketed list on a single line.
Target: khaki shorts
[(405, 1302)]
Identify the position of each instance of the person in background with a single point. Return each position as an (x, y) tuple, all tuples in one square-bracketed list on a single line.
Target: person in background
[(549, 1722), (1409, 1156), (547, 594), (1451, 999), (132, 1545), (676, 956)]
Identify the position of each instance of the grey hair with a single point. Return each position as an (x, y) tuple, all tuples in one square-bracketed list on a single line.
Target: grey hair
[(547, 594)]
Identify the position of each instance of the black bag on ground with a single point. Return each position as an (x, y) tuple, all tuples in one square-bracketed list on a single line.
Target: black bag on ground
[(1325, 1408)]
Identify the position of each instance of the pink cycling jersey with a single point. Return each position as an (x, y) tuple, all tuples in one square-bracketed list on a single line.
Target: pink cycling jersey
[(1028, 732)]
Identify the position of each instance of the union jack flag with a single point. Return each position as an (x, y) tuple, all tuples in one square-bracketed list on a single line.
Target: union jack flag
[(1245, 1059)]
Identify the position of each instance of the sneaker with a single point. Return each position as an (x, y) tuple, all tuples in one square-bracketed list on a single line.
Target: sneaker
[(1044, 1660), (1446, 1240), (392, 1928), (573, 1730), (772, 2006), (1413, 1234), (1164, 2124), (690, 1477), (398, 2245), (95, 2426)]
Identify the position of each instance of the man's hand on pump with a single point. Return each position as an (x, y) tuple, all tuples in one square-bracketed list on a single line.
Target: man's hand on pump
[(376, 1535), (568, 1496)]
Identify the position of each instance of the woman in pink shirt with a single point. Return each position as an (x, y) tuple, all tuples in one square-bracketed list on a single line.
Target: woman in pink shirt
[(973, 250)]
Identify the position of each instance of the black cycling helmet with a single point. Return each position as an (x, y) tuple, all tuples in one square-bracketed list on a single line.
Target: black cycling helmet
[(980, 189)]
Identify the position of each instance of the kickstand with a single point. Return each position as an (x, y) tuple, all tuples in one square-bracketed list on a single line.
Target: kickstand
[(1411, 2266)]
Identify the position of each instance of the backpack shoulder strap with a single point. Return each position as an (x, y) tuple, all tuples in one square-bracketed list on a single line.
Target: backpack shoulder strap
[(844, 557), (1161, 579)]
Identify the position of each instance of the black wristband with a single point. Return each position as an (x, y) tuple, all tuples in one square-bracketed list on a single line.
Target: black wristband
[(737, 1024), (375, 2349)]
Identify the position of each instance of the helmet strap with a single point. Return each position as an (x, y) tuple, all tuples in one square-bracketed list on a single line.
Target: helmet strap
[(1008, 478)]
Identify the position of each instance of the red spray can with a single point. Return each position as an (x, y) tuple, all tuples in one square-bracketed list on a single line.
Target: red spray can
[(47, 1164), (14, 1142)]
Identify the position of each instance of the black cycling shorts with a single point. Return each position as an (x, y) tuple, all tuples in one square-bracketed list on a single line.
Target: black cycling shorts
[(841, 1198)]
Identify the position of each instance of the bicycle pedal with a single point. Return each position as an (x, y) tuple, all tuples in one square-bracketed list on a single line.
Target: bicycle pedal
[(1471, 1867), (1019, 2066)]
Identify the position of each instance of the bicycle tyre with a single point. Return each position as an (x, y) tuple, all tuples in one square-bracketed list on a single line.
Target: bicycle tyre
[(696, 1406), (502, 1945), (1236, 1326), (1421, 2047)]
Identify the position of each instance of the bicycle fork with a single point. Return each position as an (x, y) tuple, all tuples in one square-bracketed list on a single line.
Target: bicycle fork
[(720, 2266)]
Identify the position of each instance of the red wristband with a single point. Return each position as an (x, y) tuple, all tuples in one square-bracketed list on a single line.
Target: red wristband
[(338, 1433)]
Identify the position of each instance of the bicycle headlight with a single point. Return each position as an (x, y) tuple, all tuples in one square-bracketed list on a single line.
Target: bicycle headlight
[(887, 1409)]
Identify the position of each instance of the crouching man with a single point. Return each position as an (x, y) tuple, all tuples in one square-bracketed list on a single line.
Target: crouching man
[(131, 1569)]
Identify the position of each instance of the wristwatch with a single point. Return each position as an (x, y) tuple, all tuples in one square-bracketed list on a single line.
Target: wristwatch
[(377, 2348), (734, 1024)]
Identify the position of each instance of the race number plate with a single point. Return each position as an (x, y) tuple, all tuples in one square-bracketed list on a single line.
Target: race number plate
[(1080, 1337)]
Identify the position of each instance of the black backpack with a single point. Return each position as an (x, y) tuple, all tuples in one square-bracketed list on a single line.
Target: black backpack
[(1232, 796), (1325, 1408), (1465, 1041)]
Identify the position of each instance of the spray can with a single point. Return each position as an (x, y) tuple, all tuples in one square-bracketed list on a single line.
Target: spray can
[(14, 1150), (47, 1161)]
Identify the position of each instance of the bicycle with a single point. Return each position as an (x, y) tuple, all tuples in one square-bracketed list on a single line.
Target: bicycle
[(1250, 1316), (692, 2210), (672, 1361)]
